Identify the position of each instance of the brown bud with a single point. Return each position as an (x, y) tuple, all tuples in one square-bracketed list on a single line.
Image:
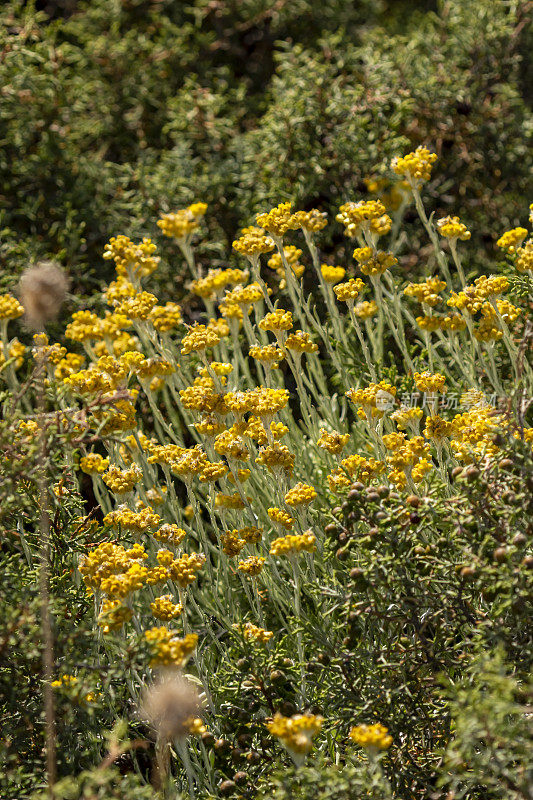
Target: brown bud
[(500, 554)]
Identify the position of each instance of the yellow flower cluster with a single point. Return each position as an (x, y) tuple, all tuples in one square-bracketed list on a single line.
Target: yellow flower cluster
[(135, 521), (332, 441), (94, 463), (252, 566), (269, 355), (349, 291), (113, 615), (281, 517), (415, 167), (524, 257), (365, 215), (371, 737), (165, 609), (296, 733), (373, 400), (276, 321), (374, 263), (166, 318), (114, 570), (232, 543), (453, 228), (252, 633), (15, 353), (278, 220), (427, 291), (170, 534), (366, 309), (253, 242), (122, 481), (291, 544), (332, 274), (300, 342), (198, 339), (132, 261), (167, 649), (311, 221), (510, 240), (276, 457), (428, 382), (183, 223), (300, 495), (354, 467)]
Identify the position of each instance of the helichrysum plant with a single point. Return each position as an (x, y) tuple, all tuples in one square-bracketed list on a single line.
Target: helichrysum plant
[(225, 449)]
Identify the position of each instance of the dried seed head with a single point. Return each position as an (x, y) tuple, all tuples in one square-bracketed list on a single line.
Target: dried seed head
[(42, 290), (170, 705)]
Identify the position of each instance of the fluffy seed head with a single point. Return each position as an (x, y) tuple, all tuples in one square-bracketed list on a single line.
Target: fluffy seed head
[(42, 290)]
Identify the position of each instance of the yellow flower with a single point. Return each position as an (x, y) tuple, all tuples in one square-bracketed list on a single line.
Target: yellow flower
[(311, 221), (168, 650), (198, 339), (428, 382), (278, 220), (233, 501), (166, 318), (269, 355), (253, 242), (122, 481), (64, 680), (300, 342), (132, 260), (139, 307), (231, 543), (427, 291), (453, 228), (170, 534), (164, 608), (349, 291), (333, 441), (276, 321), (276, 456), (113, 615), (94, 463), (296, 733), (252, 633), (290, 544), (135, 521), (524, 257), (415, 167), (374, 399), (437, 428), (252, 566), (281, 517), (300, 495), (371, 737), (183, 223), (332, 274), (366, 309), (510, 240), (379, 263), (357, 217), (15, 353), (183, 569)]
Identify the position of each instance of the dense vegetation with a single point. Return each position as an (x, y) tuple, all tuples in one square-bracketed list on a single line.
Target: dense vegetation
[(325, 513), (115, 111)]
